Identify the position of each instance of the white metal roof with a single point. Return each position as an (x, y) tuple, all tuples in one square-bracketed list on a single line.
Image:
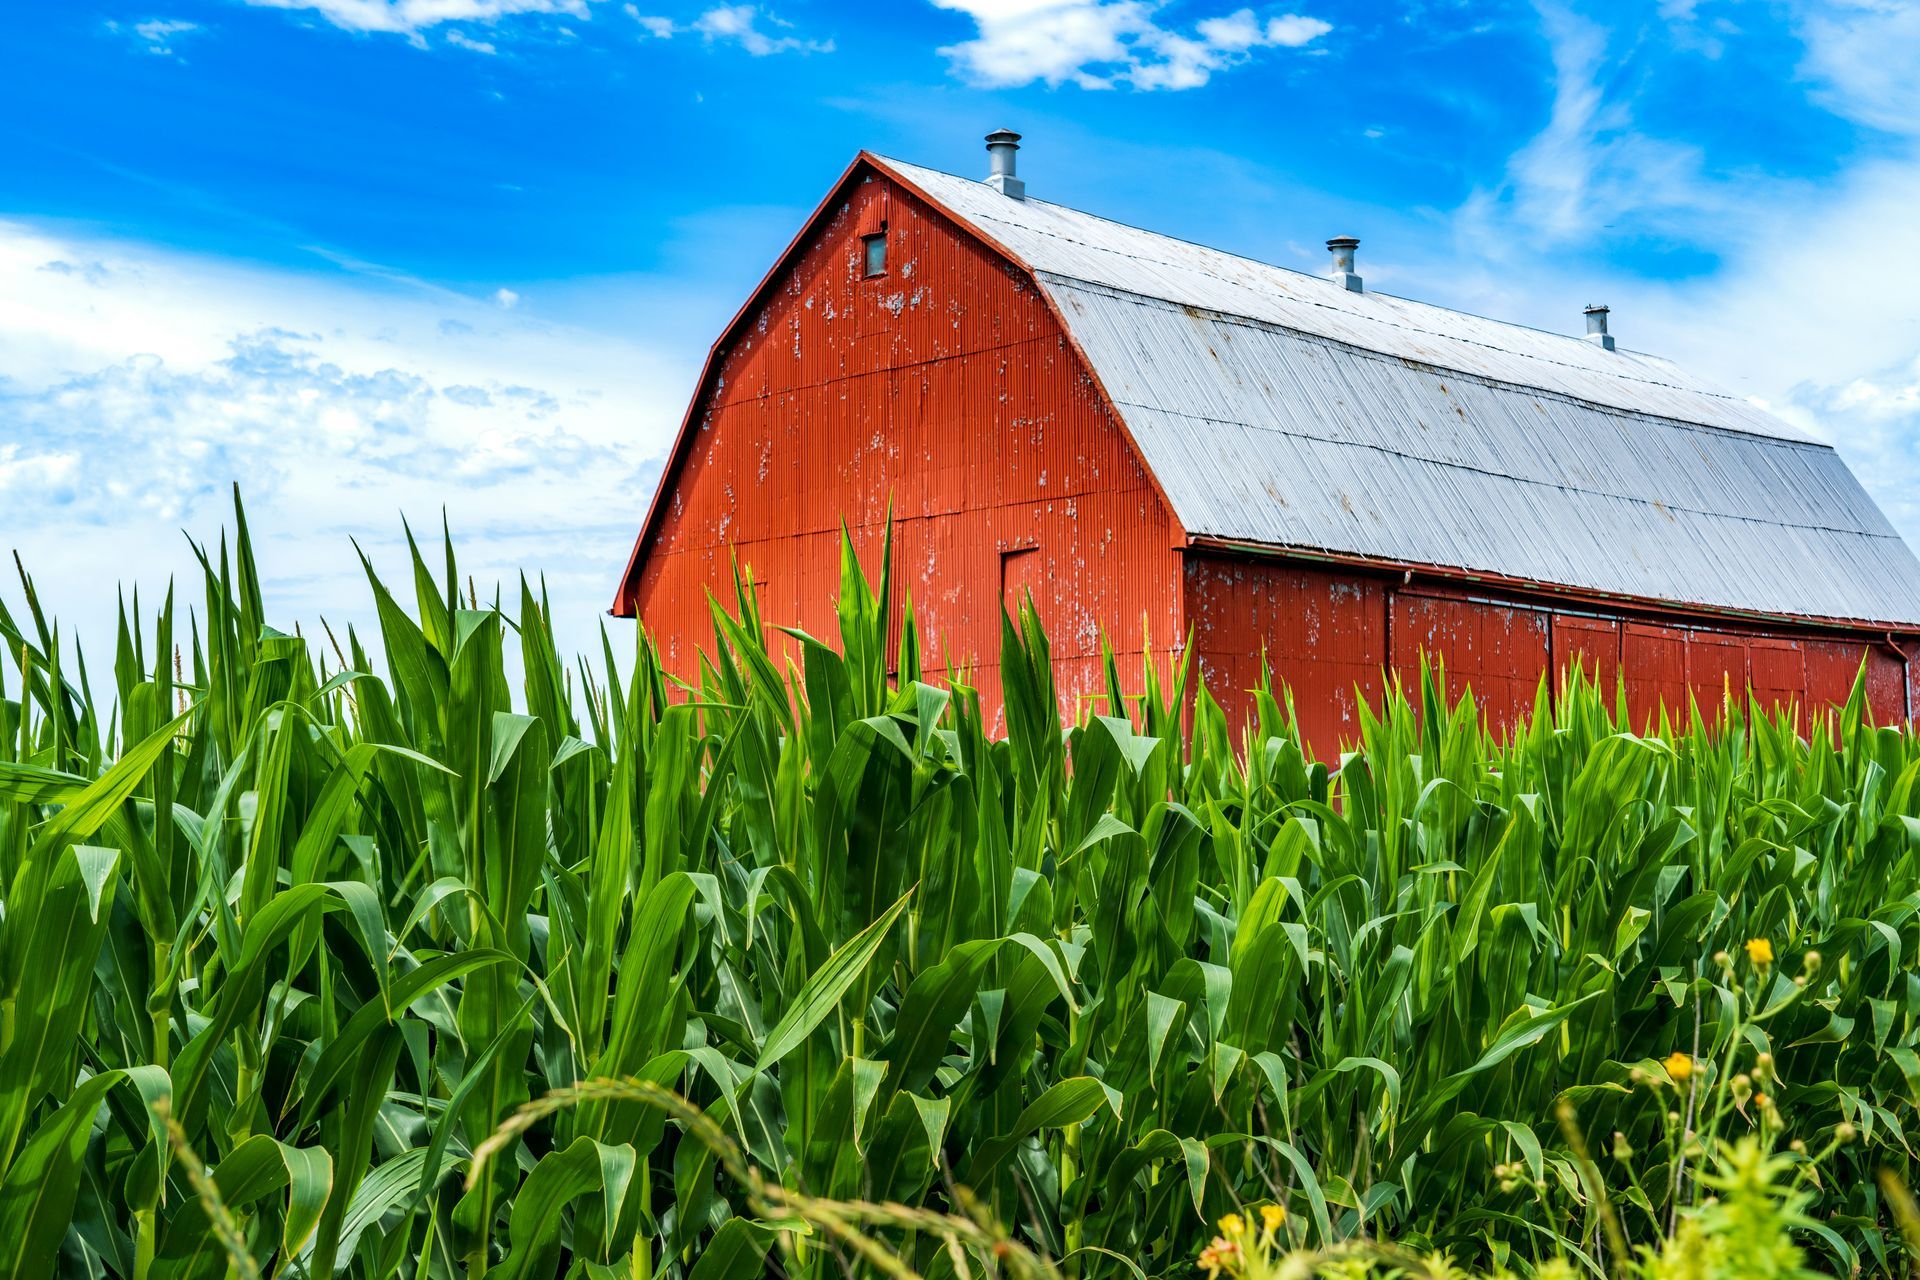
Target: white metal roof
[(1279, 408)]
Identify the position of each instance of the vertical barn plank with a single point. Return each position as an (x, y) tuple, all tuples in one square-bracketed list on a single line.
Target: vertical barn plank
[(1653, 662), (1592, 643), (1497, 652)]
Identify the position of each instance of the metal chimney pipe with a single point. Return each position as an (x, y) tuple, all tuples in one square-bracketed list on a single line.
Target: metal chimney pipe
[(1596, 314), (1342, 247), (1001, 144)]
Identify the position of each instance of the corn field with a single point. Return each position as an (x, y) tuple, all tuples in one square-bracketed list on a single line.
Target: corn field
[(297, 930)]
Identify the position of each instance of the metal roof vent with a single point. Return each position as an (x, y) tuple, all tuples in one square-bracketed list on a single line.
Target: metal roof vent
[(1001, 144), (1342, 247), (1597, 326)]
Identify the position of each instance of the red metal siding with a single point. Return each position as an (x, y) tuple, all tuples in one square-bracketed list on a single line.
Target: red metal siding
[(1594, 643), (1886, 684), (1831, 667), (1777, 671), (1653, 662), (1326, 631), (1832, 664), (1323, 634), (1716, 669), (947, 388), (1814, 673), (1497, 651)]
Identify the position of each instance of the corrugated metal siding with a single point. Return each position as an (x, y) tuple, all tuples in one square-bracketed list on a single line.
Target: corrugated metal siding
[(1278, 408), (1079, 246), (1654, 660), (946, 388), (1275, 437), (1499, 652), (1322, 634), (1326, 633), (1592, 643)]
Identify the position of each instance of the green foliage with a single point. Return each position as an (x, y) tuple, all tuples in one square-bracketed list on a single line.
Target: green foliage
[(289, 932), (1745, 1231)]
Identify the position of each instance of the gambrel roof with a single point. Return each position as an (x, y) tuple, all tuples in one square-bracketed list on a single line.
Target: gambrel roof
[(1282, 409)]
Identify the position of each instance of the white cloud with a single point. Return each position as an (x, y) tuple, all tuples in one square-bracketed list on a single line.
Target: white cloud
[(1852, 52), (740, 24), (410, 17), (1811, 314), (1591, 165), (138, 384), (1293, 30), (1874, 420), (156, 35), (657, 27), (1799, 293), (1098, 44), (756, 30), (506, 299)]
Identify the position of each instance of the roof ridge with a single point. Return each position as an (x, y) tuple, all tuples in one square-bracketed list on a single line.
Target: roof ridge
[(1318, 280), (1236, 317)]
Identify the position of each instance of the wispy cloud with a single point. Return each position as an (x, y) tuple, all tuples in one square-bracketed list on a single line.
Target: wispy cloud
[(410, 17), (739, 24), (157, 36), (1100, 44), (1860, 53), (461, 40), (1802, 301), (654, 25), (140, 384), (752, 28), (1591, 164)]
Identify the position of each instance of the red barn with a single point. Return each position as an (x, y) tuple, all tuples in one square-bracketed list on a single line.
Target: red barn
[(1163, 441)]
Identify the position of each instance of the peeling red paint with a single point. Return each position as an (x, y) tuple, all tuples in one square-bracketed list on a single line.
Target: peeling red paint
[(947, 392), (946, 388), (1329, 632)]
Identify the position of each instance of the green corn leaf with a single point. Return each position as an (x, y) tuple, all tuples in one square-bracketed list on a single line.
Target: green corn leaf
[(1064, 1103), (36, 1197), (373, 1075), (51, 939), (89, 811), (738, 1251), (344, 1051), (824, 989), (537, 1223), (258, 1167)]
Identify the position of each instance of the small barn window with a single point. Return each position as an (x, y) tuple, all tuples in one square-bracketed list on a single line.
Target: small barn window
[(873, 254)]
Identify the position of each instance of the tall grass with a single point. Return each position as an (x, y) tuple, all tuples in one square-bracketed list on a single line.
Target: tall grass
[(285, 941)]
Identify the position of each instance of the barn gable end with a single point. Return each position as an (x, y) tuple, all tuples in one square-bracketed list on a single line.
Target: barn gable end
[(944, 388), (1336, 485)]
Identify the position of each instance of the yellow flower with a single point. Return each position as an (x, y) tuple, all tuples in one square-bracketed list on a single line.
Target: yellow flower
[(1759, 950), (1271, 1216), (1231, 1225), (1679, 1066)]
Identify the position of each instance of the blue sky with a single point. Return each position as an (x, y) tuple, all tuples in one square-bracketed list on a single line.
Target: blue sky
[(374, 257)]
